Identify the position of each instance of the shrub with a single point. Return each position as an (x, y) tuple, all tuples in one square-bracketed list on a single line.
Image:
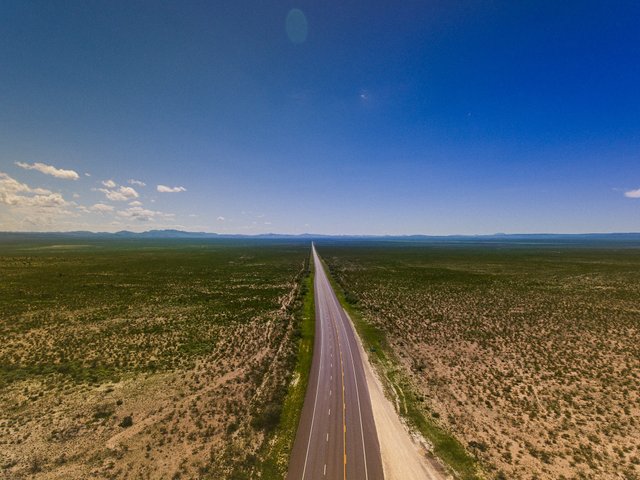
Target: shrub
[(126, 421)]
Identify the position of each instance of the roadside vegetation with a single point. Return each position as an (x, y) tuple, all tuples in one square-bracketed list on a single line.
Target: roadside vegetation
[(528, 355), (444, 445), (278, 449), (148, 359)]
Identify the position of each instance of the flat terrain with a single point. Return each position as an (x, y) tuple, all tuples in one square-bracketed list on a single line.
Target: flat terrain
[(529, 353), (143, 358)]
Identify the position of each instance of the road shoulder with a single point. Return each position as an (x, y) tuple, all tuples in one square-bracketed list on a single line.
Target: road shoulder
[(404, 457)]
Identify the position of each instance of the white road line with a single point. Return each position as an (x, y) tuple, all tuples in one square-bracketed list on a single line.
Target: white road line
[(315, 403), (364, 451), (325, 289), (355, 378)]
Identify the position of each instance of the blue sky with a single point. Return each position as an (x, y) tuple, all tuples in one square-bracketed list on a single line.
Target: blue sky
[(381, 118)]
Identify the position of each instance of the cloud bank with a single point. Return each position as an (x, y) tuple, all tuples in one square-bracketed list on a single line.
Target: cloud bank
[(121, 194), (165, 189), (18, 194), (101, 207), (142, 214), (50, 170)]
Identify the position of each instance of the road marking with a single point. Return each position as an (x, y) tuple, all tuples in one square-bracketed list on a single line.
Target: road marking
[(315, 403), (344, 405), (346, 338), (353, 368), (327, 308)]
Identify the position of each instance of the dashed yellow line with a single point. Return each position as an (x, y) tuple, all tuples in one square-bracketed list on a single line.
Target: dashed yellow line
[(344, 405)]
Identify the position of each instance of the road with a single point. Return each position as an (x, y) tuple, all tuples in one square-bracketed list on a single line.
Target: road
[(336, 437)]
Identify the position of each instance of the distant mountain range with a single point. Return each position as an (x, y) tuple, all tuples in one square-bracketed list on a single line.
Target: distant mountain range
[(179, 234), (159, 234)]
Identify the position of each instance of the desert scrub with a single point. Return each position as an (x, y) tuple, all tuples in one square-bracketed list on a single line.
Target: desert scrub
[(527, 352), (117, 355), (445, 445), (93, 314), (277, 451)]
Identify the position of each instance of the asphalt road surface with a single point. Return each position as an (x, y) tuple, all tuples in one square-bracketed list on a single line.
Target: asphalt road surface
[(336, 437)]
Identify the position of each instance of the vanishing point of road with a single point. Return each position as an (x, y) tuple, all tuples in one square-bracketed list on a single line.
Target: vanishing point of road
[(336, 438)]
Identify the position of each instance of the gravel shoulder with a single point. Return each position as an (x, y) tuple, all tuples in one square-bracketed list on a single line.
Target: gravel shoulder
[(404, 455)]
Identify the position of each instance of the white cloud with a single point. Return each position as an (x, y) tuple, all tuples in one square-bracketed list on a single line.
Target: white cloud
[(101, 207), (137, 182), (142, 214), (135, 203), (128, 192), (9, 184), (45, 201), (632, 193), (122, 194), (18, 194), (87, 174), (220, 219), (49, 170), (76, 195), (109, 183), (165, 189), (82, 208)]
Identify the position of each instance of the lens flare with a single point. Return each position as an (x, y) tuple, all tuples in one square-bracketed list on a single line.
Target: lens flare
[(296, 26)]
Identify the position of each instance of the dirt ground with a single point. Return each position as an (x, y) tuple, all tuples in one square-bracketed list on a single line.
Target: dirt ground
[(529, 356), (184, 424)]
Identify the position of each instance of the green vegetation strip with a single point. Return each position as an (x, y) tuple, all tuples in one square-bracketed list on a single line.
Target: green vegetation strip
[(445, 446), (276, 459)]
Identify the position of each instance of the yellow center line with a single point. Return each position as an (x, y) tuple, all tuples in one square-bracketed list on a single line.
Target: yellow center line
[(344, 405)]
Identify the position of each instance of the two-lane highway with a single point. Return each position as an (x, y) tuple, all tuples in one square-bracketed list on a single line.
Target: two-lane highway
[(336, 437)]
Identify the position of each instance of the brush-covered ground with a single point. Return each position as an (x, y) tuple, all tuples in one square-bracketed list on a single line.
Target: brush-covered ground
[(528, 354), (144, 359)]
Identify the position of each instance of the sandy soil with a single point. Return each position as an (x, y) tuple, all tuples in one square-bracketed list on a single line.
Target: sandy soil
[(531, 360), (405, 455), (191, 423)]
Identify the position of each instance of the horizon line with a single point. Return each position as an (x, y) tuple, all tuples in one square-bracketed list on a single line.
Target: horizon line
[(309, 234)]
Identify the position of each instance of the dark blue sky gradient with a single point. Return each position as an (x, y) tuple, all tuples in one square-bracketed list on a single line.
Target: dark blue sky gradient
[(393, 117)]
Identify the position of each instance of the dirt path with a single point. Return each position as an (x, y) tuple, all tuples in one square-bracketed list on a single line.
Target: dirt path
[(403, 456)]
